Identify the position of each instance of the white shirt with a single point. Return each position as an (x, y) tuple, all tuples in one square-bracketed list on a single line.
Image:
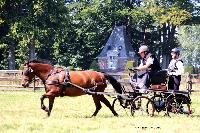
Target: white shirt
[(149, 61), (176, 66)]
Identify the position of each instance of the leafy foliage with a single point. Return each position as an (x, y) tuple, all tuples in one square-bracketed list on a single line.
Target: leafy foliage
[(130, 64), (189, 69), (94, 66), (72, 33), (190, 42)]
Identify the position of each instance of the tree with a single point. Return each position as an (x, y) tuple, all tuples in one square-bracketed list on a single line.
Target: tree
[(168, 15), (190, 42), (27, 24), (9, 12), (73, 33)]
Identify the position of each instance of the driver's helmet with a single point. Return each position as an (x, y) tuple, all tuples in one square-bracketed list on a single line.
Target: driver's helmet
[(176, 50)]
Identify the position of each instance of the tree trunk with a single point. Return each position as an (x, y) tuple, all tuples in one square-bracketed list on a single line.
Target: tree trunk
[(159, 43), (11, 57), (165, 61), (164, 38), (144, 36), (165, 47), (31, 51), (171, 37)]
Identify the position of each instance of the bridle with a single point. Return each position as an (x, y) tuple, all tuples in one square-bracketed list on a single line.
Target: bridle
[(27, 72)]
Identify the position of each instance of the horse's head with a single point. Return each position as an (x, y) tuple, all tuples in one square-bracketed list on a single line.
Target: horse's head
[(27, 75)]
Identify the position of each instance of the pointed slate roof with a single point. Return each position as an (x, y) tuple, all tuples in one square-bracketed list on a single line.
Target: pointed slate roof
[(118, 41)]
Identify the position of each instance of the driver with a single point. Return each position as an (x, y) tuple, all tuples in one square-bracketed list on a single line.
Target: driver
[(148, 66)]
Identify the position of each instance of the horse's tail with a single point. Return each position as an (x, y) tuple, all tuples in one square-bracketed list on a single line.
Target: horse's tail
[(116, 85)]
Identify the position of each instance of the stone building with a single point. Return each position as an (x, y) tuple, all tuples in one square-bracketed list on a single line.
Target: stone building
[(116, 52)]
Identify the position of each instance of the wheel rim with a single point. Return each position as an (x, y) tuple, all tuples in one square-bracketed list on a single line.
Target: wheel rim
[(142, 106), (119, 105), (178, 106)]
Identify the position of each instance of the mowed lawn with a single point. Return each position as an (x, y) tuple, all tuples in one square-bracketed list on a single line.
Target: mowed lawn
[(20, 113)]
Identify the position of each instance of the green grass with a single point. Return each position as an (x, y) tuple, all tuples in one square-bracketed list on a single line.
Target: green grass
[(20, 113)]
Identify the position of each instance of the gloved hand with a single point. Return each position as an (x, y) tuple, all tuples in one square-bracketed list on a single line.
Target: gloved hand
[(170, 72)]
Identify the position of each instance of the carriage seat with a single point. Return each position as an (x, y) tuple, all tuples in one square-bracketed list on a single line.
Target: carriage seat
[(158, 87), (159, 77), (159, 81)]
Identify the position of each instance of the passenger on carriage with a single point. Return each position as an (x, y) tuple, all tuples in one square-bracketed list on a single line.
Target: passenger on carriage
[(175, 70), (149, 65)]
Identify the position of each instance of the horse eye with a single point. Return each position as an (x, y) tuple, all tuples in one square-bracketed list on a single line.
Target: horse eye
[(26, 72)]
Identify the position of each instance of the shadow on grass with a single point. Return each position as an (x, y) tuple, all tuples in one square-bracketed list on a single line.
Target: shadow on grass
[(91, 117), (196, 115)]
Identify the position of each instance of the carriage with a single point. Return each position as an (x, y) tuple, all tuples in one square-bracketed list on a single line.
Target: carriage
[(157, 98), (61, 82)]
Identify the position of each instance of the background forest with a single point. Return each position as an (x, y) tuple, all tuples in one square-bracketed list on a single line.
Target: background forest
[(73, 32)]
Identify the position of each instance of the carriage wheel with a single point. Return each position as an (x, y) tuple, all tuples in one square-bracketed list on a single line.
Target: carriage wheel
[(178, 106), (120, 105), (142, 105), (159, 104)]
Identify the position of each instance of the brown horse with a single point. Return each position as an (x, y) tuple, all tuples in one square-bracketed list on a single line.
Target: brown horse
[(60, 82)]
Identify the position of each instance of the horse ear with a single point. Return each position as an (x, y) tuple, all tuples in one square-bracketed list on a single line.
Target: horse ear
[(26, 63)]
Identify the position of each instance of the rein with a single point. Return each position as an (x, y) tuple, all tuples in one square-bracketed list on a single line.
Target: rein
[(86, 90)]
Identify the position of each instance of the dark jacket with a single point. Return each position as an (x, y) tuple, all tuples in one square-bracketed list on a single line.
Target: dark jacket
[(152, 68)]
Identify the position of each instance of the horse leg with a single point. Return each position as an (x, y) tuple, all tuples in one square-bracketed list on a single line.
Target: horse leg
[(51, 101), (42, 103), (107, 103), (97, 104)]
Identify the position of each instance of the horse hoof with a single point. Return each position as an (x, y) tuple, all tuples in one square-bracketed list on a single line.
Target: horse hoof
[(92, 116), (88, 116), (43, 107), (48, 114), (116, 115)]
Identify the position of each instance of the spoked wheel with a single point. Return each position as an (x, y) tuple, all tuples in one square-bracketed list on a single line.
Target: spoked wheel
[(159, 104), (120, 104), (142, 105), (178, 106)]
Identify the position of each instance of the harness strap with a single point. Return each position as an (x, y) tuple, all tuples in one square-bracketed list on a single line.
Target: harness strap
[(52, 72), (67, 83), (67, 76), (51, 82), (177, 60), (86, 90)]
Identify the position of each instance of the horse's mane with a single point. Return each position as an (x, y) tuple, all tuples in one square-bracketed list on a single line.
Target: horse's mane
[(39, 61)]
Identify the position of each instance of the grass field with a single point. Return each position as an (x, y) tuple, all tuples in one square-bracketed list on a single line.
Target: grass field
[(20, 113)]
